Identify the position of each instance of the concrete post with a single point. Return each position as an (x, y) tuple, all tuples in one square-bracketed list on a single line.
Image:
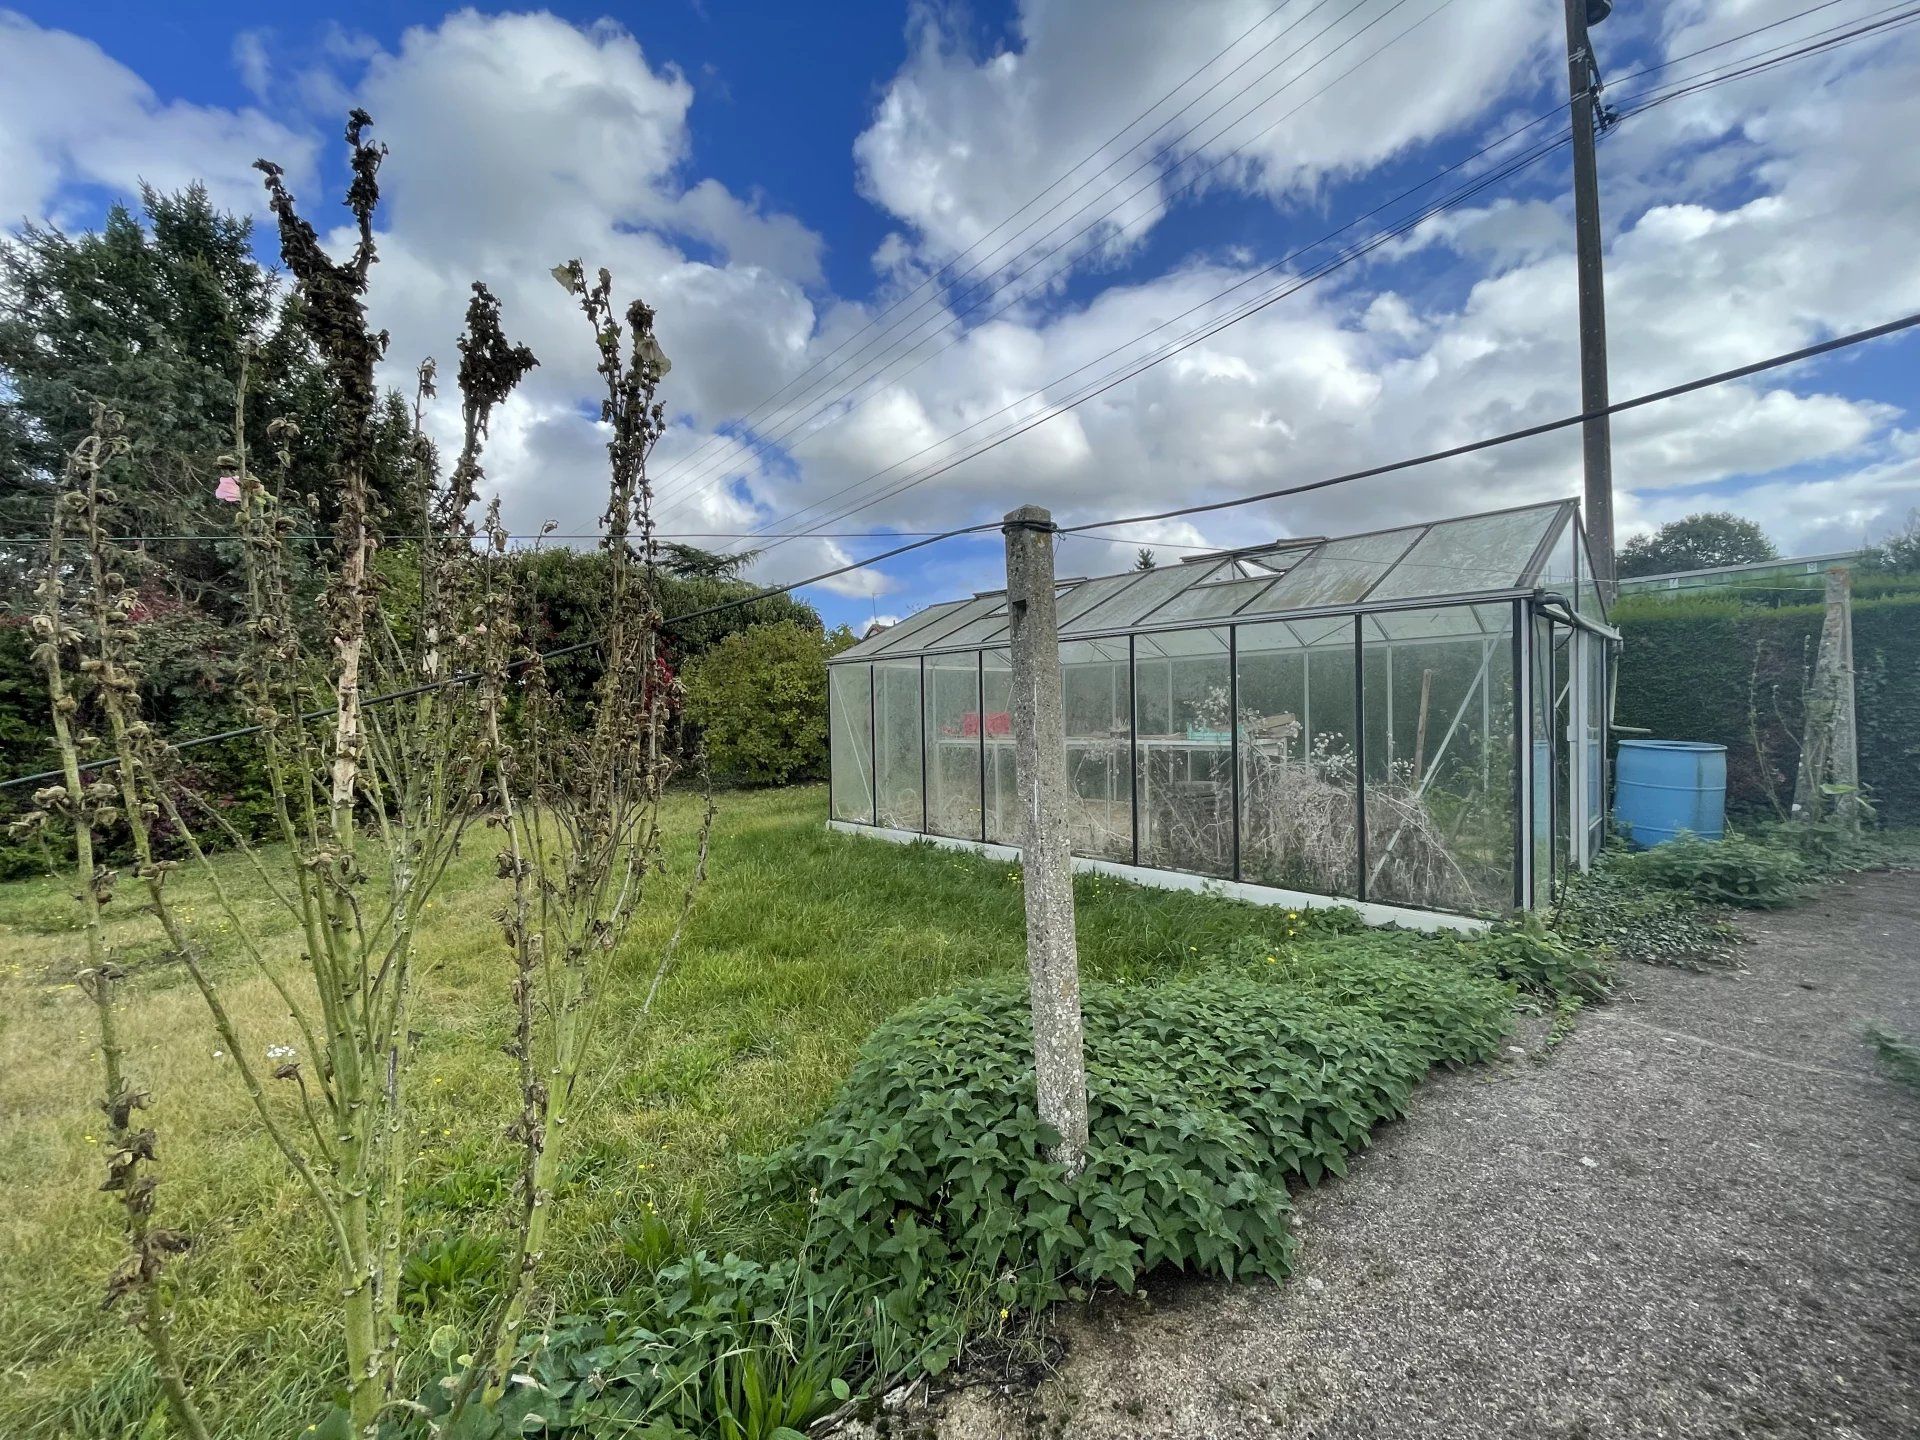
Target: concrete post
[(1828, 749), (1040, 766), (1845, 761)]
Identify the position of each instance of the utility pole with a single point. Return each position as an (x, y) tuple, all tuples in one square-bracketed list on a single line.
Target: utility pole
[(1583, 88), (1040, 766)]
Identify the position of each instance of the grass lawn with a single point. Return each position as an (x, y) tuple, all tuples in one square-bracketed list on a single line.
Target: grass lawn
[(802, 943)]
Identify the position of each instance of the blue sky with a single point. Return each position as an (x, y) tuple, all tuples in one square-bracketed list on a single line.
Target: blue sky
[(774, 177)]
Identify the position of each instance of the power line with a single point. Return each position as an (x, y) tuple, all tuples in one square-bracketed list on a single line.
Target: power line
[(1528, 432), (980, 267), (1689, 85), (947, 268), (914, 339), (1170, 348), (767, 442), (1774, 362)]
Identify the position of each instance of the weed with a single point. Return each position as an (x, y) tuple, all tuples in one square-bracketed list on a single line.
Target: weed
[(1612, 910), (1540, 959), (1899, 1055), (458, 1267), (1735, 870), (1206, 1095)]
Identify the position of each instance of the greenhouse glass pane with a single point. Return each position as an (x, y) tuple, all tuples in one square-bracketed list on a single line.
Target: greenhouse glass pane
[(1297, 807), (1338, 573), (1482, 552), (980, 618), (953, 745), (896, 728), (1440, 757), (1184, 751), (1003, 790), (1098, 696), (850, 741), (1334, 630), (893, 637), (1089, 593), (1212, 601), (1117, 611), (1435, 622), (1556, 566)]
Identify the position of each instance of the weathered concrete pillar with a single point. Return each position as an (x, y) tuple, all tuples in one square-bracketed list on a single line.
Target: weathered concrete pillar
[(1829, 749), (1040, 764)]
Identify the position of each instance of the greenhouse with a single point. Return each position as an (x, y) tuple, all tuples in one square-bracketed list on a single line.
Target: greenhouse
[(1410, 720)]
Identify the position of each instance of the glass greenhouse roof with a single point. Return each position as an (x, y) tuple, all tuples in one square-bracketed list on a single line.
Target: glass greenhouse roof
[(1498, 553)]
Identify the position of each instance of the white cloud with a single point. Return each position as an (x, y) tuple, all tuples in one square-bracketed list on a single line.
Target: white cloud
[(255, 64), (961, 140), (70, 114), (1743, 222)]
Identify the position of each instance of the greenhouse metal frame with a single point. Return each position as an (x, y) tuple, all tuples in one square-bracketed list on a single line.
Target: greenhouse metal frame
[(1411, 721)]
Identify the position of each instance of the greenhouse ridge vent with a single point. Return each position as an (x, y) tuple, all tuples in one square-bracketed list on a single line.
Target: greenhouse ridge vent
[(1409, 720)]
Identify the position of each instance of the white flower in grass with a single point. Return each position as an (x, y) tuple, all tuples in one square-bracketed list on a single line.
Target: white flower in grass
[(278, 1052)]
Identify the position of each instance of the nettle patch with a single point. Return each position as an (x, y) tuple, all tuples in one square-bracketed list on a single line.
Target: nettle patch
[(1207, 1096)]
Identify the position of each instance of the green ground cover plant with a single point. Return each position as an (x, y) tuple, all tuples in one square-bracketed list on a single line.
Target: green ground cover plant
[(803, 945), (850, 1009), (927, 1211), (1899, 1055), (1736, 870), (1611, 911)]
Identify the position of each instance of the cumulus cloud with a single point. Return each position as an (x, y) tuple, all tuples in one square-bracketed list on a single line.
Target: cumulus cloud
[(1741, 222), (1273, 102), (521, 141), (71, 115)]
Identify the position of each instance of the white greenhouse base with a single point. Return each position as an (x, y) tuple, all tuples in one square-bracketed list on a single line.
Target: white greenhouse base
[(1371, 912)]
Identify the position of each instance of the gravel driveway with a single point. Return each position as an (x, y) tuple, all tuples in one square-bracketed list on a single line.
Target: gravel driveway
[(1697, 1216)]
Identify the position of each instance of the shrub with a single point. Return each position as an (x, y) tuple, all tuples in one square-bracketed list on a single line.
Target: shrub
[(760, 698), (1206, 1096), (1730, 667), (1828, 847), (1735, 870)]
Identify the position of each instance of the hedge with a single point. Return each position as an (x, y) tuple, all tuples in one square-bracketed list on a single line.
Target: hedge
[(1732, 671)]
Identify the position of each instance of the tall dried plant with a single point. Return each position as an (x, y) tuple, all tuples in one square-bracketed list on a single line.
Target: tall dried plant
[(80, 647), (369, 802), (578, 805)]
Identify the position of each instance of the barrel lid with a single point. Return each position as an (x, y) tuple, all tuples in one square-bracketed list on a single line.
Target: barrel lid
[(1696, 745)]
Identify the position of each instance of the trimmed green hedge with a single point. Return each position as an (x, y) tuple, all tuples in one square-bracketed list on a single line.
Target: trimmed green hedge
[(1731, 671)]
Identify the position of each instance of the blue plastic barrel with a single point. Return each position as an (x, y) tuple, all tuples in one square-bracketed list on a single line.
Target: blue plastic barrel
[(1662, 787)]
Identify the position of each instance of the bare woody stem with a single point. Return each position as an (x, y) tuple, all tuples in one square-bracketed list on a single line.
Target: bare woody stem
[(139, 1274)]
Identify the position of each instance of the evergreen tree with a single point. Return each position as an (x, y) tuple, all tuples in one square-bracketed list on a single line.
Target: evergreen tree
[(153, 314)]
